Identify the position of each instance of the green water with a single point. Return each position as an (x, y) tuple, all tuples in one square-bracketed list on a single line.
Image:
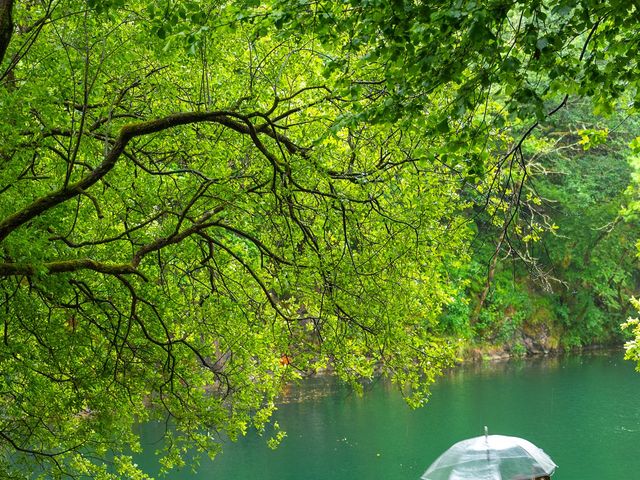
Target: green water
[(583, 411)]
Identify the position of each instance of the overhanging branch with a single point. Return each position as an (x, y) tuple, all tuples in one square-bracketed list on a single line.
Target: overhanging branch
[(64, 266), (231, 120)]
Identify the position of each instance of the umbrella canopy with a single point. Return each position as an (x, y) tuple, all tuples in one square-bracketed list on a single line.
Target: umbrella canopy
[(491, 457)]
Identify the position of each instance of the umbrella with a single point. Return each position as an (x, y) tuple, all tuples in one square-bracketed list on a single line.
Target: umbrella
[(491, 457)]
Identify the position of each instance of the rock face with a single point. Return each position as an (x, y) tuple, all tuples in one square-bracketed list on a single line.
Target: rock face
[(529, 340), (538, 335), (533, 346), (538, 338)]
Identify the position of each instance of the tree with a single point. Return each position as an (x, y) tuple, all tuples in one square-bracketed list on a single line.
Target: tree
[(632, 325), (182, 232), (571, 287), (202, 200), (487, 75)]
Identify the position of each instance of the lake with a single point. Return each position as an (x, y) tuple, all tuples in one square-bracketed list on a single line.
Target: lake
[(584, 411)]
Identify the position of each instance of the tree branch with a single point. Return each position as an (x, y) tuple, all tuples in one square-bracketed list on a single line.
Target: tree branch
[(175, 237), (63, 266), (128, 132)]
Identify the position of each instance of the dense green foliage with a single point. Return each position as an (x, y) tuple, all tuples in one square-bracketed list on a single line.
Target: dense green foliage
[(593, 252), (570, 288), (202, 200)]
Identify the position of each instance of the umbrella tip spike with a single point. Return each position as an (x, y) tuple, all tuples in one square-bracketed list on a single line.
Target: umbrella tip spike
[(486, 431)]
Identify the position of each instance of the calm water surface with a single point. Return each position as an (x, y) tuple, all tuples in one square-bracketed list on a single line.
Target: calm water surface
[(582, 410)]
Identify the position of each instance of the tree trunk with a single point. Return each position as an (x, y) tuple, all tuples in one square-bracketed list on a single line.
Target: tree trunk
[(6, 26), (487, 285)]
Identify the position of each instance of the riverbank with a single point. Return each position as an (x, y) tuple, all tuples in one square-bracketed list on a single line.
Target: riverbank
[(488, 353)]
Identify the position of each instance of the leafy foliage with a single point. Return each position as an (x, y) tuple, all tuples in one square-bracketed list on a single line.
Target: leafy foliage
[(203, 200), (581, 272), (174, 226)]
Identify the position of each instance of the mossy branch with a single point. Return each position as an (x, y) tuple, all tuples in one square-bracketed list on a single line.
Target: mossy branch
[(64, 266), (232, 120)]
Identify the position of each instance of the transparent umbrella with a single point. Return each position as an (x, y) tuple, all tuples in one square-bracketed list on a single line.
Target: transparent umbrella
[(491, 457)]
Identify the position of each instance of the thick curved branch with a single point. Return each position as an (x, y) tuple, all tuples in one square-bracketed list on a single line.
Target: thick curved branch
[(64, 266), (128, 132)]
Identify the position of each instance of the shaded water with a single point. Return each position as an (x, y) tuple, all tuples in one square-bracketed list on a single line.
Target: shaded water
[(582, 410)]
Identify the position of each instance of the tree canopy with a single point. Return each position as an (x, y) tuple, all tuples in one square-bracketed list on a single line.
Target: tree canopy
[(202, 200)]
